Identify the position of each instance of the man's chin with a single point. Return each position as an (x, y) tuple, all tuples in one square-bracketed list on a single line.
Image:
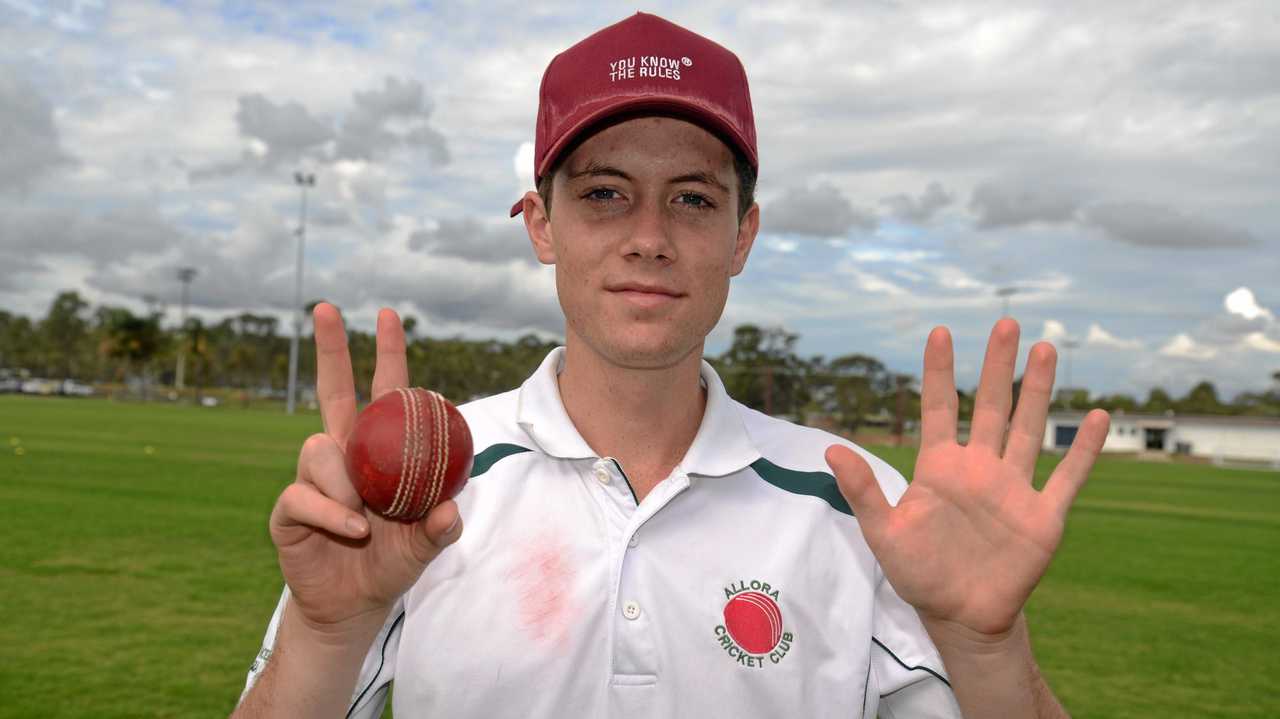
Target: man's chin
[(637, 354)]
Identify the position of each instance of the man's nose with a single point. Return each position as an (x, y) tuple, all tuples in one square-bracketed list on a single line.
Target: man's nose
[(650, 236)]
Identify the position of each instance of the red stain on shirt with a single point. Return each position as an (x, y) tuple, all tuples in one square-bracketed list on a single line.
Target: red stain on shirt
[(543, 578)]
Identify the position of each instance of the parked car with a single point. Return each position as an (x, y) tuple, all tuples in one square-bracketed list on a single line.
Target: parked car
[(73, 388), (10, 380), (41, 386)]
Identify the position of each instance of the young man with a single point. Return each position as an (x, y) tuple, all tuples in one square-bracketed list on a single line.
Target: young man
[(639, 544)]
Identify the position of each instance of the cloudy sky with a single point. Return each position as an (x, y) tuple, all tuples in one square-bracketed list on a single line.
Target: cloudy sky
[(1116, 163)]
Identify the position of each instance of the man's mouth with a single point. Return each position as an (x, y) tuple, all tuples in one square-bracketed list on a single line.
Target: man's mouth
[(643, 294)]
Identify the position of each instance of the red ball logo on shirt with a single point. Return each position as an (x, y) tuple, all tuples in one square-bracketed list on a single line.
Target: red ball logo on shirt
[(754, 621)]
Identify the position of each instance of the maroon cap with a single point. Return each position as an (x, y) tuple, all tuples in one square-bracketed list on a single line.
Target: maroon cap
[(643, 64)]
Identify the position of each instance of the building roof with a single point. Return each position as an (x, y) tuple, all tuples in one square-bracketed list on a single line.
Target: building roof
[(1231, 420)]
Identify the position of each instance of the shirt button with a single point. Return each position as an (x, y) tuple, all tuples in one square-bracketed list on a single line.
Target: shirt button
[(631, 610), (602, 474), (635, 539)]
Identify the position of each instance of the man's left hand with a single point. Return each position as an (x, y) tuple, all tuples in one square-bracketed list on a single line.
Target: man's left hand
[(971, 537)]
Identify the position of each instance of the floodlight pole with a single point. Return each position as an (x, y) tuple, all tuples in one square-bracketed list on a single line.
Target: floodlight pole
[(185, 275), (1069, 345), (1004, 293), (303, 180)]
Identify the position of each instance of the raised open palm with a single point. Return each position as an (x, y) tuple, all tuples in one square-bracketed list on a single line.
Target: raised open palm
[(971, 537), (341, 560)]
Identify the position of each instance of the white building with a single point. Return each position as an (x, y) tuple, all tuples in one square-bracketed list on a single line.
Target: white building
[(1249, 439)]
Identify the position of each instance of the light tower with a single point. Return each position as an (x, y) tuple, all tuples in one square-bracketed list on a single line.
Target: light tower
[(1004, 293), (185, 275), (303, 180), (1069, 345)]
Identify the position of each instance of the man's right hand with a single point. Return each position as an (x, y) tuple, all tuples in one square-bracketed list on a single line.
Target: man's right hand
[(345, 565)]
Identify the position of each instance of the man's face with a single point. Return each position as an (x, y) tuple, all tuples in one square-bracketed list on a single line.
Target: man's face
[(644, 236)]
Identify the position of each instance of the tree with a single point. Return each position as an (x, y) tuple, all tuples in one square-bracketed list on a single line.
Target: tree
[(256, 358), (1201, 399), (131, 340), (1113, 402), (1258, 404), (197, 338), (64, 332), (859, 384), (906, 404), (1071, 398), (17, 341), (1158, 401), (761, 370)]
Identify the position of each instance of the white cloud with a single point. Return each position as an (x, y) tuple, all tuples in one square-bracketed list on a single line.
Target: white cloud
[(1242, 302), (1183, 347), (780, 244), (1054, 331), (1049, 283), (1102, 338), (1261, 342), (954, 278), (870, 282), (889, 255), (361, 182), (522, 163)]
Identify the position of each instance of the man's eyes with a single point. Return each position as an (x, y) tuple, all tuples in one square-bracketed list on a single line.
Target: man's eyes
[(601, 194), (696, 201), (692, 200)]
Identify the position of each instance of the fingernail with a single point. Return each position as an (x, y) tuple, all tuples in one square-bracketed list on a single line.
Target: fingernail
[(357, 526), (457, 520)]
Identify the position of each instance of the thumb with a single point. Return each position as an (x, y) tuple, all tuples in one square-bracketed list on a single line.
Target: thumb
[(441, 527), (858, 485)]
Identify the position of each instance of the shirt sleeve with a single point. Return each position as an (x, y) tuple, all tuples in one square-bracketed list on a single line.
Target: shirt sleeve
[(906, 671), (376, 673)]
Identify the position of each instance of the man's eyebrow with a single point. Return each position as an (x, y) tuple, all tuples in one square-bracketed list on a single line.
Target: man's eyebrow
[(595, 169), (705, 178)]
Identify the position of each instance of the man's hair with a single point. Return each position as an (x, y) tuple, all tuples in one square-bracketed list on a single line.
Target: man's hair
[(741, 167)]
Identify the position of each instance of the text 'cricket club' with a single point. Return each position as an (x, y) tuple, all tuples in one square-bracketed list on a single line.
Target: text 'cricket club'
[(753, 633)]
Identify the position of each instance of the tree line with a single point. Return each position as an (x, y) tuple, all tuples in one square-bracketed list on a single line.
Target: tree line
[(242, 351), (762, 369), (249, 352)]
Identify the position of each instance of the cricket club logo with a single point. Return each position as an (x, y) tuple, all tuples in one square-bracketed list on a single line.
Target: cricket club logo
[(753, 632)]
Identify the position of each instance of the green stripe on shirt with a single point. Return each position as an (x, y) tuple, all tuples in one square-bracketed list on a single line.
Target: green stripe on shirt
[(490, 456), (814, 484)]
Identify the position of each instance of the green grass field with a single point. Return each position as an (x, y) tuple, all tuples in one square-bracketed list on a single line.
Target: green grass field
[(138, 583)]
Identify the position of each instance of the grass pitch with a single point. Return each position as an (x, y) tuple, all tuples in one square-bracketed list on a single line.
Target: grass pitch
[(136, 575)]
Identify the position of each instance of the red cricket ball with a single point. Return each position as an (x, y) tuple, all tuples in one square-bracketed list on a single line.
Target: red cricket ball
[(410, 450)]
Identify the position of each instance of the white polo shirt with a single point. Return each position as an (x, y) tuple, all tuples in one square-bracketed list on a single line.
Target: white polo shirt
[(740, 587)]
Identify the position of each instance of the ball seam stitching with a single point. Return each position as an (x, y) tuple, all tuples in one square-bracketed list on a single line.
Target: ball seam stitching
[(405, 401), (441, 436)]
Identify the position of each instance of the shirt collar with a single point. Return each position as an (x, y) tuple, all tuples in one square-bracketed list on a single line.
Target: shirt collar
[(721, 446)]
